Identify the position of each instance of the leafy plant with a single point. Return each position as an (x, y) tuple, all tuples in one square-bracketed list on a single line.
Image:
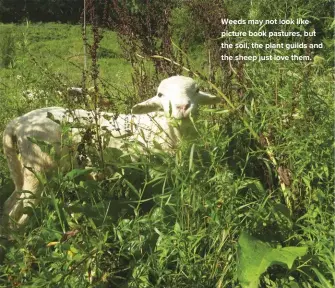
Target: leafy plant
[(262, 162), (255, 257)]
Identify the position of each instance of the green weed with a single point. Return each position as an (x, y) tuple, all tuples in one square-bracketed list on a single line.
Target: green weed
[(262, 163)]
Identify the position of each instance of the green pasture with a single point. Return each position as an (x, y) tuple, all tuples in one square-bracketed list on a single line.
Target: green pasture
[(248, 204)]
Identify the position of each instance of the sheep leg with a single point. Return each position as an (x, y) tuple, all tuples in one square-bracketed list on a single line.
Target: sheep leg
[(30, 198), (16, 203)]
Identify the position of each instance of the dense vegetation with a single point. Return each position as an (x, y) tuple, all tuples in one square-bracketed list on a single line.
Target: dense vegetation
[(253, 194)]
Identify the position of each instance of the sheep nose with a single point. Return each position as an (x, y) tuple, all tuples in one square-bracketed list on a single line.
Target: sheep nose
[(184, 107)]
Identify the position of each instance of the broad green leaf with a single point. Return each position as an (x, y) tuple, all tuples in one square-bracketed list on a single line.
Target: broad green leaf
[(255, 257)]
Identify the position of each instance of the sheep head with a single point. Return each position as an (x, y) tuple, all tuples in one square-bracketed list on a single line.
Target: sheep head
[(178, 97)]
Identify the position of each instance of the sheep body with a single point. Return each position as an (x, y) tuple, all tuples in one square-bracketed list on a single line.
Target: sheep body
[(37, 124), (162, 120)]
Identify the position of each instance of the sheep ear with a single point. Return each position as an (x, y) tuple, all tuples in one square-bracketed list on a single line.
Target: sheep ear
[(207, 99), (150, 105)]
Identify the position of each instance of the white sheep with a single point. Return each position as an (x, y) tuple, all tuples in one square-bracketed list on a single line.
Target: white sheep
[(162, 120)]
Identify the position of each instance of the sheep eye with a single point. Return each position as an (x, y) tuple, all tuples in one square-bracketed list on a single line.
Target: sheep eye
[(160, 94)]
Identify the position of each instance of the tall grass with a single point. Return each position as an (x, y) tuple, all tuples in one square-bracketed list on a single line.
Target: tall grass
[(262, 164), (7, 49)]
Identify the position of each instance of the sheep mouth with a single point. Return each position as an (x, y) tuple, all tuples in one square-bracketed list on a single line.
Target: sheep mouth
[(182, 114)]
